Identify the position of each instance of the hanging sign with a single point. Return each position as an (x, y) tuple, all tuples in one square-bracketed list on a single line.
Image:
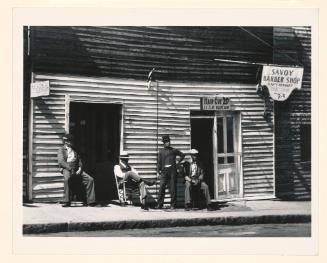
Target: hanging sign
[(40, 88), (215, 103), (281, 81)]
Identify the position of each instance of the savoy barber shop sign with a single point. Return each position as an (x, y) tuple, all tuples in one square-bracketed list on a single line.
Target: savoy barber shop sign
[(215, 103), (281, 81)]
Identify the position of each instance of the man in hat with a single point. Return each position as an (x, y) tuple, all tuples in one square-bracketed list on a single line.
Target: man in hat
[(128, 174), (167, 170), (194, 178), (72, 168)]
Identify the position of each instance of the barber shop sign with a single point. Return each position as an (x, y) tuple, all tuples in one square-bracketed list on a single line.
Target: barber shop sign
[(281, 81), (215, 103)]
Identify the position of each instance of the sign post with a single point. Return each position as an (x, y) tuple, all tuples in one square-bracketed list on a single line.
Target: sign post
[(281, 81)]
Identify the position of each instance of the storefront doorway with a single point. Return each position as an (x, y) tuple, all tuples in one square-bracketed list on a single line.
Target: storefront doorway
[(96, 128), (217, 137)]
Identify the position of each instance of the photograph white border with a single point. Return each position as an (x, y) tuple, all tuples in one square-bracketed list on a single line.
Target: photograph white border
[(141, 17)]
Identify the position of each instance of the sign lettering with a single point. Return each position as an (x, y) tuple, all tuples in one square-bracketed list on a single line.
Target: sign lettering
[(215, 103), (281, 81)]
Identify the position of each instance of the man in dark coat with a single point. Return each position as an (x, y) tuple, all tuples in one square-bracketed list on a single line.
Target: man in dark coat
[(72, 168), (167, 170), (194, 178)]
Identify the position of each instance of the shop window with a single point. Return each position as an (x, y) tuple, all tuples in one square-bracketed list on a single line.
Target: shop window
[(305, 136)]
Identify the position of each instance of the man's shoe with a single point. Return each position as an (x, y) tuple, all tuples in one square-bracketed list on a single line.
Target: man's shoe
[(210, 208), (172, 207), (67, 204), (158, 207), (144, 207), (187, 207), (92, 204)]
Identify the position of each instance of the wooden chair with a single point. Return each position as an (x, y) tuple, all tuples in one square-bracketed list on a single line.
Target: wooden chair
[(126, 191)]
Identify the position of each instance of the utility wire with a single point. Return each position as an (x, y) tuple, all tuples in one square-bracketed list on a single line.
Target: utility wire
[(267, 44)]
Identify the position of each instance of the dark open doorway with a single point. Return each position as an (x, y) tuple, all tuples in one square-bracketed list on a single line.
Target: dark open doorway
[(201, 139), (96, 128)]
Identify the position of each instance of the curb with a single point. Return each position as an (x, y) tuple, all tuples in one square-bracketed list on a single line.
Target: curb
[(115, 225)]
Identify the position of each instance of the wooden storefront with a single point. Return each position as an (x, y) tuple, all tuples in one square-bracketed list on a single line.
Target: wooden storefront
[(99, 91)]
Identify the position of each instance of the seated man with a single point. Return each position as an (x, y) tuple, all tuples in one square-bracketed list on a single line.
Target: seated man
[(128, 174), (72, 168), (194, 178)]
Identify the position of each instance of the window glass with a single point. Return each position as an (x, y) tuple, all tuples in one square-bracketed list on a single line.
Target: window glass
[(230, 131), (220, 135)]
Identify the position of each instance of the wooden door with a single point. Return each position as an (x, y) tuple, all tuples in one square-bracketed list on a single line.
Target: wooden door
[(227, 155)]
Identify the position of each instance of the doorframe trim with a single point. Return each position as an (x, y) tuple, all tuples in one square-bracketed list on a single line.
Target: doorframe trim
[(69, 99)]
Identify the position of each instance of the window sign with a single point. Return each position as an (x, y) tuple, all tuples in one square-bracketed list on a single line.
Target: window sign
[(40, 88), (215, 103), (281, 81)]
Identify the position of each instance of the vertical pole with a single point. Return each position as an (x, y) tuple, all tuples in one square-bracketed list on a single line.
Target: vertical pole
[(157, 93), (215, 157), (30, 123), (30, 146), (30, 151)]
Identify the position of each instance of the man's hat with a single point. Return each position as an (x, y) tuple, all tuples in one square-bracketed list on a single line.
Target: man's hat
[(68, 137), (124, 154), (165, 138), (194, 152)]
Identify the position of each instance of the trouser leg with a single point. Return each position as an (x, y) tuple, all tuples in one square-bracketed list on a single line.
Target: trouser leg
[(88, 183), (66, 175), (187, 192), (143, 192), (132, 175), (162, 188), (173, 182), (205, 189)]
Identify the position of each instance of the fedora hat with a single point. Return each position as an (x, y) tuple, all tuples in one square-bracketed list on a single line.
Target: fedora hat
[(124, 154), (68, 137)]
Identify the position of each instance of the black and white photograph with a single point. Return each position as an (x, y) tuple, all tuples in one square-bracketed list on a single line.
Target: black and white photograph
[(166, 131)]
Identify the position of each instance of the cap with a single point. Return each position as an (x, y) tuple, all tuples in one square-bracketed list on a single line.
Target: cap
[(165, 138)]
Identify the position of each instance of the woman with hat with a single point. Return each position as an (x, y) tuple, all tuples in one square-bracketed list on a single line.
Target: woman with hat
[(127, 173)]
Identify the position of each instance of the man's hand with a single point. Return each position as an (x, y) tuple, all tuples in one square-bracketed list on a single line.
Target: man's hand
[(79, 171), (195, 181)]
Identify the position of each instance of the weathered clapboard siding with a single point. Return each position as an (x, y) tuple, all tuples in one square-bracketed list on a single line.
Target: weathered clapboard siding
[(293, 177), (181, 53), (176, 99)]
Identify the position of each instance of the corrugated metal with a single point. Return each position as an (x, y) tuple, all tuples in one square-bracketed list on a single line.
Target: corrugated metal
[(181, 53), (293, 177), (176, 99)]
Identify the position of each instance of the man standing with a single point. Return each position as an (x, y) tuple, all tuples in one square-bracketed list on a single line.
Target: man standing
[(194, 178), (72, 168), (167, 170), (127, 173)]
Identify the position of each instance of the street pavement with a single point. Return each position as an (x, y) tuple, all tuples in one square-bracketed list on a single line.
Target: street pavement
[(257, 230), (51, 218)]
